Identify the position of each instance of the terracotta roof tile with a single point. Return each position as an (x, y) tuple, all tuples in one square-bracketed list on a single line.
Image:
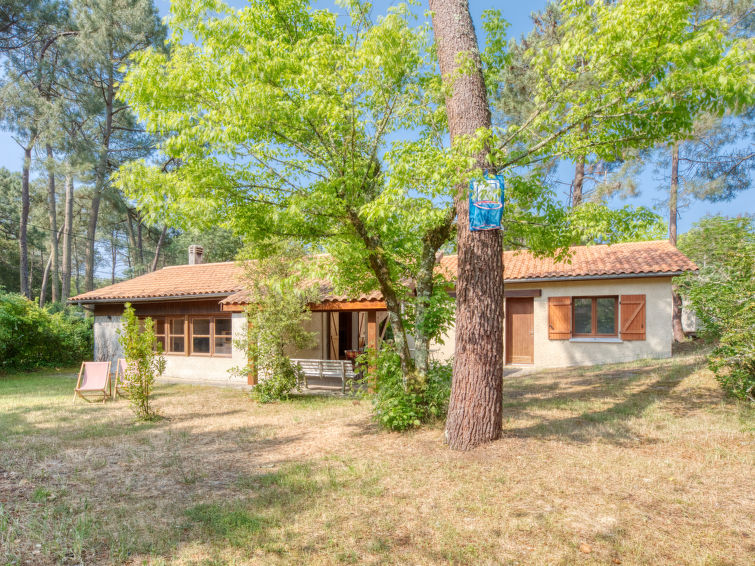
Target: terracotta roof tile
[(639, 258), (174, 281)]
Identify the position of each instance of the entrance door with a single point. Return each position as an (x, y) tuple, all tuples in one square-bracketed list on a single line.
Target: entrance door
[(520, 330)]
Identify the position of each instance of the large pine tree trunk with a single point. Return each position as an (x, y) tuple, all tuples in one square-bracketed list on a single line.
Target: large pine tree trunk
[(67, 228), (156, 258), (579, 181), (475, 409), (89, 253), (23, 247), (53, 217), (676, 313)]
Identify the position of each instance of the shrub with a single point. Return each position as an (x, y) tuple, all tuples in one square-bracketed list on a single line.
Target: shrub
[(32, 337), (144, 363), (400, 407), (283, 376), (733, 360)]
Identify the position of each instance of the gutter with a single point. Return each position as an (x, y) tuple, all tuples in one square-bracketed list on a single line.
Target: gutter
[(594, 277), (81, 302)]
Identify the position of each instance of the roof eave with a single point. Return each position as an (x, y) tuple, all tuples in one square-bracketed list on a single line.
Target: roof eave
[(151, 299), (594, 277)]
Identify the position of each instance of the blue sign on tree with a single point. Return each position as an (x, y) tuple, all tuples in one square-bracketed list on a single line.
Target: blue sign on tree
[(486, 203)]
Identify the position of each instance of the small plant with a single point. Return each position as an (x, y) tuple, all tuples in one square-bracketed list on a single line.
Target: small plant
[(144, 361), (400, 405), (283, 376)]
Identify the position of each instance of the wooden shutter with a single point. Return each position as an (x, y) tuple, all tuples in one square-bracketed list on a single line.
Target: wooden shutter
[(559, 318), (633, 317)]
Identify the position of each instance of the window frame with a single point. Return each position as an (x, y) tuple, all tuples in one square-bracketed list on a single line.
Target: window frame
[(191, 334), (593, 317), (169, 335)]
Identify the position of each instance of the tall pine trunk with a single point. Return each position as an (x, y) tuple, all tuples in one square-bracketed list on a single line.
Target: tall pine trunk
[(579, 181), (53, 217), (67, 240), (676, 313), (156, 258), (23, 268), (475, 409)]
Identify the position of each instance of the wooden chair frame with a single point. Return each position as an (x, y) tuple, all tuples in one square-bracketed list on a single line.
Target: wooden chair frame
[(81, 393)]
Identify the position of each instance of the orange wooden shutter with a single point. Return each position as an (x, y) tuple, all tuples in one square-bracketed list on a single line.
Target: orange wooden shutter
[(633, 317), (559, 318)]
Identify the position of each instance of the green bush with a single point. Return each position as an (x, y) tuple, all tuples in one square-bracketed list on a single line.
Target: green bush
[(733, 360), (283, 376), (398, 407), (144, 364), (32, 337)]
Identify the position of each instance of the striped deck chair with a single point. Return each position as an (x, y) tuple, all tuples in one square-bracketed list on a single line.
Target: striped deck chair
[(94, 380), (121, 378)]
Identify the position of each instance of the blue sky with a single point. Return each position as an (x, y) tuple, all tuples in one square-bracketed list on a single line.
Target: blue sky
[(518, 15)]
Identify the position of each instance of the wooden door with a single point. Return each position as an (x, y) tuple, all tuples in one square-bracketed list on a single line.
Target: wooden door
[(520, 331), (333, 335)]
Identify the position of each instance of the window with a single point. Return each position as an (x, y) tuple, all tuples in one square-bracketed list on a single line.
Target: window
[(223, 337), (595, 316), (176, 336), (160, 328), (200, 336)]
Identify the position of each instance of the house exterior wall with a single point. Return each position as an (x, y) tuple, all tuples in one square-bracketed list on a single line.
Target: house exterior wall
[(581, 352), (107, 347)]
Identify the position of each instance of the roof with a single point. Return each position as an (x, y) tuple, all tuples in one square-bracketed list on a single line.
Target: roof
[(206, 279), (656, 258)]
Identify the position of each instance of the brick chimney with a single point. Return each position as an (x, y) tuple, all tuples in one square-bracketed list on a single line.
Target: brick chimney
[(195, 254)]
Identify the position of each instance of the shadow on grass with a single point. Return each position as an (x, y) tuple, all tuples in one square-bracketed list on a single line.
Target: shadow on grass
[(602, 402)]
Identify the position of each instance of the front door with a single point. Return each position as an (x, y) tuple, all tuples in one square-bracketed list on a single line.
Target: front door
[(520, 330)]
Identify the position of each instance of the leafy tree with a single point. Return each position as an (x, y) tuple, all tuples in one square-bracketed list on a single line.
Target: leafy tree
[(144, 363), (279, 293), (724, 251), (722, 294), (288, 123)]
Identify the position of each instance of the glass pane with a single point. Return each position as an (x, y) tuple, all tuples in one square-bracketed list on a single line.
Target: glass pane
[(200, 326), (177, 344), (223, 345), (160, 326), (200, 346), (606, 315), (222, 327), (582, 316), (177, 326), (161, 342)]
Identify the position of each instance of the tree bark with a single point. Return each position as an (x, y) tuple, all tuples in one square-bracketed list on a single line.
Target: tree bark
[(89, 253), (53, 216), (673, 211), (676, 312), (579, 180), (114, 257), (46, 272), (24, 288), (67, 229), (475, 408), (155, 259)]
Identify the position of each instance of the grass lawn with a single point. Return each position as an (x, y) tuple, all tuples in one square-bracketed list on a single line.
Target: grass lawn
[(642, 463)]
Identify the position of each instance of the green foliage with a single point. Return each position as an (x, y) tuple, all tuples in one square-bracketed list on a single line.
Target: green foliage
[(143, 362), (733, 360), (722, 294), (400, 406), (724, 251), (32, 337), (279, 293)]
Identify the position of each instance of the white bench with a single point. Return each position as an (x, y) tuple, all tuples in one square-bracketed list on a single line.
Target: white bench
[(340, 369)]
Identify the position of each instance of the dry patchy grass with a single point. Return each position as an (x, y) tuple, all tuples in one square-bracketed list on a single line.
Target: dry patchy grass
[(642, 463)]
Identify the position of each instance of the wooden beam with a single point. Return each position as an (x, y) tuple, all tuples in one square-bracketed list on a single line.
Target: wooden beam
[(348, 306), (372, 346), (232, 308), (513, 293), (251, 378)]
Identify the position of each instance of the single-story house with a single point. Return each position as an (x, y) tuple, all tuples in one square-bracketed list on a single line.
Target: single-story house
[(606, 304)]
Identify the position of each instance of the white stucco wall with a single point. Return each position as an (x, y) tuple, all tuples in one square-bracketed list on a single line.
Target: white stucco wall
[(179, 366), (565, 353)]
